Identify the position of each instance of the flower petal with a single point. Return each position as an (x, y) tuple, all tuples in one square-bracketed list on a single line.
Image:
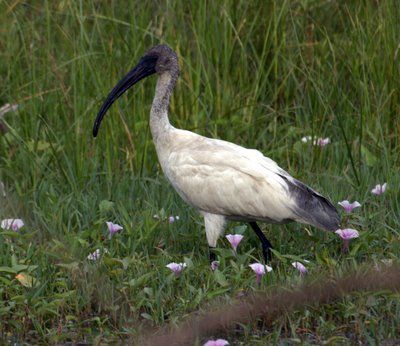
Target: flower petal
[(234, 240), (113, 227), (13, 224), (94, 256), (218, 342), (348, 207), (259, 268), (176, 267), (214, 265), (300, 267), (347, 233)]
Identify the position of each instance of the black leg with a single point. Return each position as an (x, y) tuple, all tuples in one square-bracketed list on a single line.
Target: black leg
[(212, 254), (266, 245)]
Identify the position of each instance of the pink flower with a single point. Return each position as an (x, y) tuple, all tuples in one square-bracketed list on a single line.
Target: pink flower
[(300, 267), (113, 228), (176, 267), (214, 265), (347, 234), (259, 269), (218, 342), (234, 240), (379, 189), (321, 142), (172, 218), (14, 224), (348, 207)]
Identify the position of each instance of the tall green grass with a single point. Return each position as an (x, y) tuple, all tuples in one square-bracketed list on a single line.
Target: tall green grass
[(262, 74)]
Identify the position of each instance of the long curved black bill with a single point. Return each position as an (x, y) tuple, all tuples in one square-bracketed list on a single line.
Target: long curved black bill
[(144, 68)]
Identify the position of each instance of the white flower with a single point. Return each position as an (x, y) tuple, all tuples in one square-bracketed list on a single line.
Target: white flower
[(7, 108), (379, 189), (306, 139), (316, 141), (94, 256)]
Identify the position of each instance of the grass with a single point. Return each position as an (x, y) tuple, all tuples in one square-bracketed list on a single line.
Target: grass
[(260, 74)]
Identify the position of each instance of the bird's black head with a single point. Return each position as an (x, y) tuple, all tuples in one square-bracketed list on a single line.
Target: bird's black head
[(158, 59)]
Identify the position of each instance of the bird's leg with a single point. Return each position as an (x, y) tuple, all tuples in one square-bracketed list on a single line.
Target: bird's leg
[(266, 245), (215, 225), (213, 257)]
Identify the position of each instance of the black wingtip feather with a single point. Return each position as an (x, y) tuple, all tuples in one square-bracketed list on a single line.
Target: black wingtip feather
[(313, 208)]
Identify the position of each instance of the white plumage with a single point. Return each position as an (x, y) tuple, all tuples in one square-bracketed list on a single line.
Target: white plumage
[(222, 180)]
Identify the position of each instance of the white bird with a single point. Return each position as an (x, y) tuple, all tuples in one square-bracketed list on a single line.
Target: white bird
[(222, 180)]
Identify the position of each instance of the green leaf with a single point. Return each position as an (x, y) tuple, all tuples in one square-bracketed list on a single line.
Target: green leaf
[(240, 229), (220, 278), (5, 281), (188, 262), (125, 262), (8, 270), (112, 261), (278, 255), (116, 272), (146, 316), (37, 146), (354, 248), (83, 242), (148, 291), (370, 159), (298, 147), (73, 266), (12, 234), (106, 206), (140, 280), (217, 293), (21, 267)]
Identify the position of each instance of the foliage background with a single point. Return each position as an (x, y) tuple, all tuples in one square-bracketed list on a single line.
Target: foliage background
[(262, 74)]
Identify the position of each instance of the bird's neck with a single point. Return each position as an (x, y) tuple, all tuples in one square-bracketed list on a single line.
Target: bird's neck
[(159, 122)]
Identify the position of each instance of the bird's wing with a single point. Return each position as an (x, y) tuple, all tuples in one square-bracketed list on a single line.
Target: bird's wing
[(223, 178)]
